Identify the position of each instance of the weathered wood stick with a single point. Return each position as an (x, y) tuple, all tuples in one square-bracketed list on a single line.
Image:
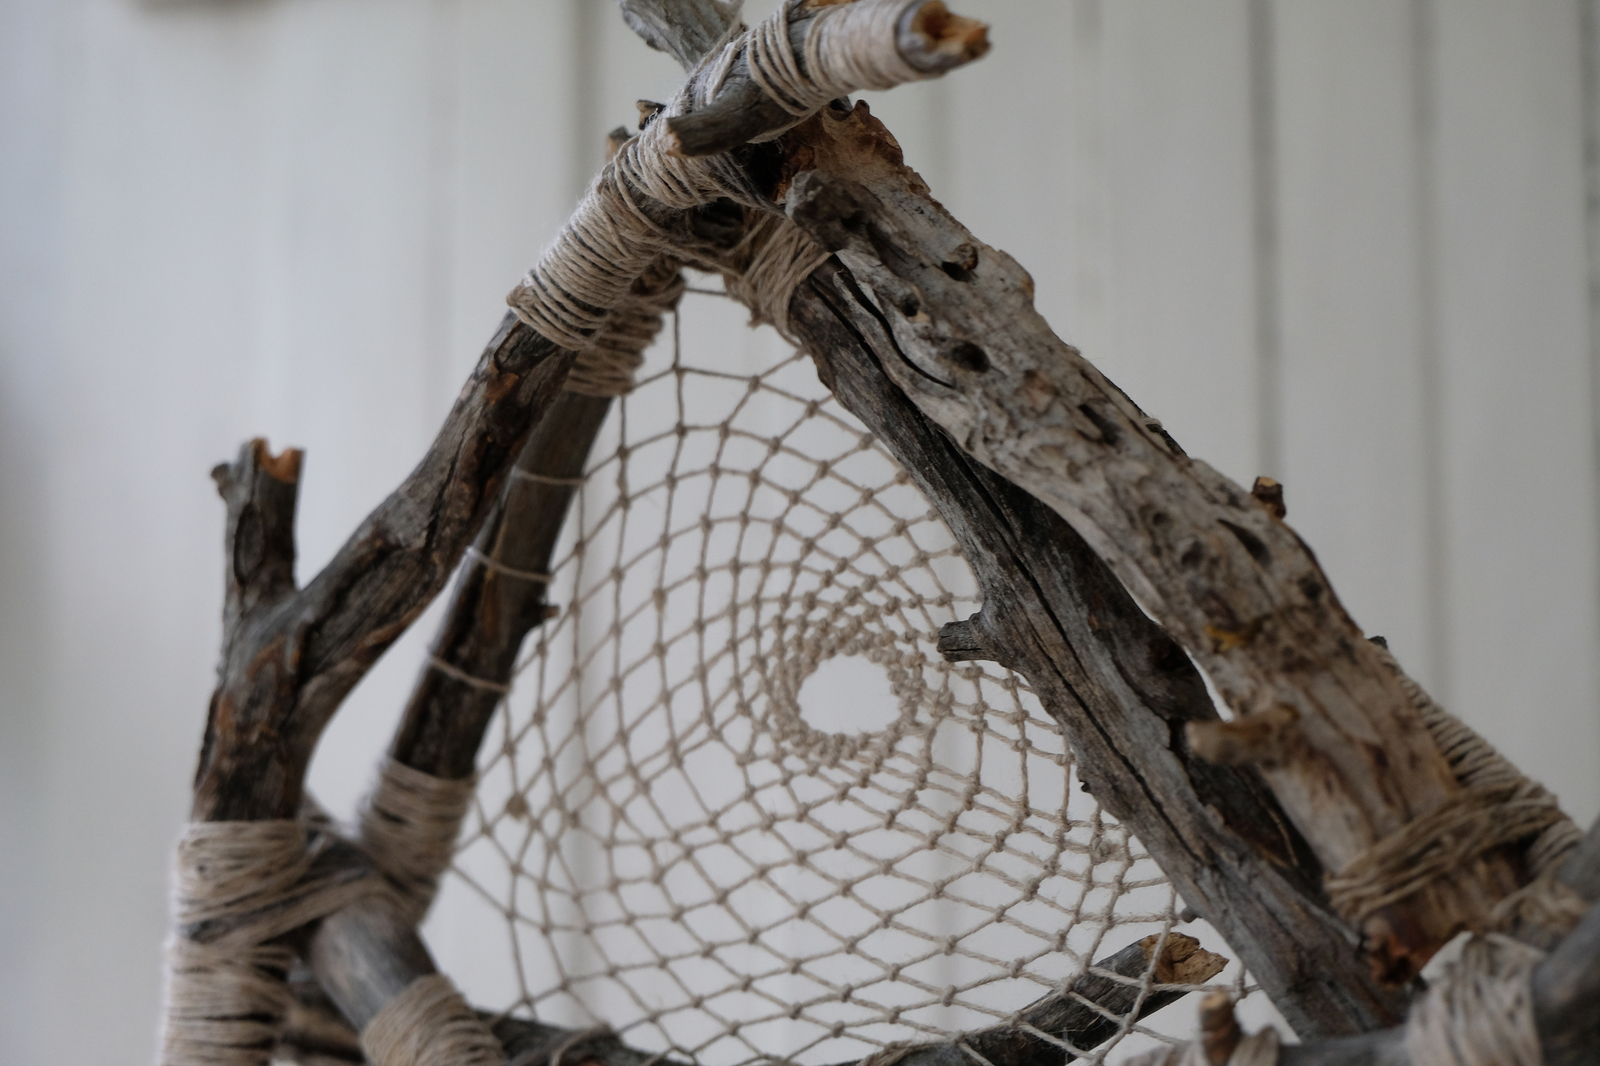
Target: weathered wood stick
[(1121, 689), (929, 38), (496, 603), (492, 609), (1117, 683), (1089, 1013), (684, 29), (290, 656), (1230, 581), (370, 955)]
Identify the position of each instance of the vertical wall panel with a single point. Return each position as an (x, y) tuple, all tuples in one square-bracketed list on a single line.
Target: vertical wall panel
[(517, 129), (1354, 435), (1007, 148), (352, 305), (31, 55), (1181, 262), (1520, 478), (155, 322)]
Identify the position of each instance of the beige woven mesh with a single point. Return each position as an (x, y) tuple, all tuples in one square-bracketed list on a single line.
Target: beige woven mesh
[(737, 806)]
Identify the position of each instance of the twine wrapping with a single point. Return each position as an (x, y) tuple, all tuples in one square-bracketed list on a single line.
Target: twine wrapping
[(608, 365), (429, 1024), (409, 829), (626, 219), (1497, 806), (239, 885)]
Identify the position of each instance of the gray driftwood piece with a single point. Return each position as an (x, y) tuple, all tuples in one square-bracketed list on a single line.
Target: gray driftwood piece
[(1121, 689), (492, 611), (1224, 576)]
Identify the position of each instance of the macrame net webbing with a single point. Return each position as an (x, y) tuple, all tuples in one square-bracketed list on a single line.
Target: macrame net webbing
[(737, 807)]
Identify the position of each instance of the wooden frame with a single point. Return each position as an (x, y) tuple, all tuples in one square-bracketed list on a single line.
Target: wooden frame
[(1064, 496)]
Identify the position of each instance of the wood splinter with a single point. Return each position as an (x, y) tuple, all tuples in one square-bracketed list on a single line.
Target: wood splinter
[(1270, 493)]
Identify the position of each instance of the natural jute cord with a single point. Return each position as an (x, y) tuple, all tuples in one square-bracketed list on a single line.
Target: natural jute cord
[(1497, 806), (429, 1024), (239, 885), (409, 830), (628, 217)]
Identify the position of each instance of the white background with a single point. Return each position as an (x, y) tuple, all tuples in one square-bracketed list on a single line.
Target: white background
[(1342, 242)]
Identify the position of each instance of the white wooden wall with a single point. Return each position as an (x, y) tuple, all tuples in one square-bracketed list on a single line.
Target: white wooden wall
[(1342, 242)]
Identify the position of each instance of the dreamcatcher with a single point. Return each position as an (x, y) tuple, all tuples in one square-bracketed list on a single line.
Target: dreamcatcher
[(779, 714)]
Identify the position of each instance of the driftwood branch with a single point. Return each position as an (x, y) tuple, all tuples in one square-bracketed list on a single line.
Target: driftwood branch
[(493, 608), (1120, 687), (1226, 578), (290, 656), (685, 29)]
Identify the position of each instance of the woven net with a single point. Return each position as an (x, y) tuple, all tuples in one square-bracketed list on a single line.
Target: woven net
[(737, 807)]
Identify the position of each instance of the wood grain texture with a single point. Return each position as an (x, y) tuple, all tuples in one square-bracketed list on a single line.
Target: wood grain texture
[(1233, 584), (492, 611), (685, 30), (290, 655), (1120, 688)]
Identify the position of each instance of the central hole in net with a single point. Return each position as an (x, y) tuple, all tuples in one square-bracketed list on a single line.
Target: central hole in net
[(848, 694)]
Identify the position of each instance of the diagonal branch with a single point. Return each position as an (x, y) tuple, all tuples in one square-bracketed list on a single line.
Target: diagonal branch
[(927, 36), (1226, 578), (291, 655), (1120, 687)]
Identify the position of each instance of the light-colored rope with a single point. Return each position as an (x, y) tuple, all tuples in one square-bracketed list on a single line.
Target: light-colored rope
[(1476, 763), (238, 885), (607, 366), (622, 225), (1441, 842), (409, 829), (612, 237), (429, 1024), (489, 562), (1497, 806), (455, 673), (848, 48), (770, 263)]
